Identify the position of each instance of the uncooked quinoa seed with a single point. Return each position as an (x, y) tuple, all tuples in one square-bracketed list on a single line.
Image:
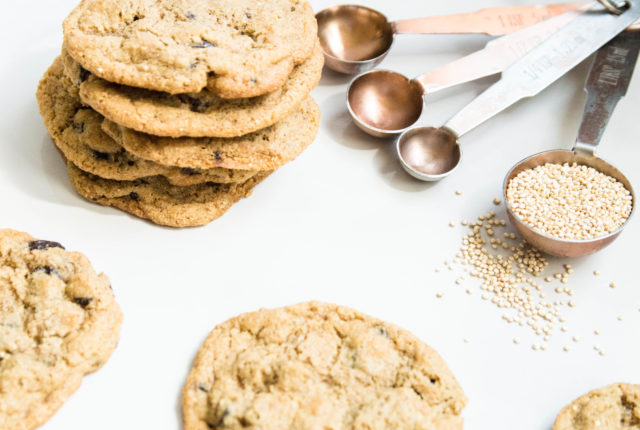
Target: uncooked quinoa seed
[(566, 201)]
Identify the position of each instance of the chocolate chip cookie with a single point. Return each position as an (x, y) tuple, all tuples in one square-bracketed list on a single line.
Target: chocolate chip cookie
[(266, 149), (318, 366), (202, 114), (76, 131), (233, 48), (157, 200), (58, 322), (614, 407)]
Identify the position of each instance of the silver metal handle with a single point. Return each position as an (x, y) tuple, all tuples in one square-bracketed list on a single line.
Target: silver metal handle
[(495, 57), (545, 64), (607, 83)]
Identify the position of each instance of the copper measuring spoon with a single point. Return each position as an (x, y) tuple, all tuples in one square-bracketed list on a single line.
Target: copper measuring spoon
[(606, 84), (355, 39), (430, 154), (384, 103)]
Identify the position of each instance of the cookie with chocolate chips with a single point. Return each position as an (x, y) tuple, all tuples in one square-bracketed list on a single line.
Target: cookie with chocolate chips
[(157, 200), (318, 366), (202, 114), (267, 149), (233, 48), (58, 322), (614, 407), (76, 131)]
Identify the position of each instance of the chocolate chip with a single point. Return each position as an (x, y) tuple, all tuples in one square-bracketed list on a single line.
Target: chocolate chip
[(83, 301), (189, 171), (83, 75), (248, 15), (136, 18), (131, 163), (48, 270), (382, 331), (79, 127), (433, 380), (100, 155), (42, 245), (218, 156), (195, 104), (190, 15), (193, 65), (204, 44), (254, 81), (134, 196), (203, 387)]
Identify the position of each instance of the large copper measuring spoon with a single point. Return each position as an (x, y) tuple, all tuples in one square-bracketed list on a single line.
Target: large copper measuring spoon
[(384, 103), (430, 154), (355, 39), (607, 83)]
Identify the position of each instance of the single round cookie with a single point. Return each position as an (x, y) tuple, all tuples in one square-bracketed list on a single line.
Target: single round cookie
[(157, 200), (318, 366), (614, 407), (58, 322), (234, 48), (266, 149), (199, 114), (76, 130)]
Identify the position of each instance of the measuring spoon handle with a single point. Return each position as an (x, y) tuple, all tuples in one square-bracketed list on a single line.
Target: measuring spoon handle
[(495, 57), (606, 84), (491, 21), (545, 64)]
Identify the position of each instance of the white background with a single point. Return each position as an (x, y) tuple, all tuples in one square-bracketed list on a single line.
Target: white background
[(341, 224)]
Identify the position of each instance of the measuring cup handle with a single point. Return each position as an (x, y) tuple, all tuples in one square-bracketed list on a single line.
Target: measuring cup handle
[(492, 21), (607, 83)]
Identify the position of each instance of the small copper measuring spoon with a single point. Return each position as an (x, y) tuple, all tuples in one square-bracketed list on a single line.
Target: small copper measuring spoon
[(430, 154), (606, 84), (384, 103), (356, 38)]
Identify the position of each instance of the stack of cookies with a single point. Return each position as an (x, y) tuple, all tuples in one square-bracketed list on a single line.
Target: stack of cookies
[(173, 110)]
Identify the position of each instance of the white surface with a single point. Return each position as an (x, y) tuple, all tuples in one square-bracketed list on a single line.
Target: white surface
[(342, 224)]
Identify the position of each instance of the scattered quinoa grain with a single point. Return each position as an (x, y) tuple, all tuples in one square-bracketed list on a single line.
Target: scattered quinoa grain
[(497, 201), (612, 285)]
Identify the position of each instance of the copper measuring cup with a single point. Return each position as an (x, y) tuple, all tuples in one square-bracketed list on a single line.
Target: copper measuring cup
[(606, 84), (383, 103), (355, 39), (430, 154)]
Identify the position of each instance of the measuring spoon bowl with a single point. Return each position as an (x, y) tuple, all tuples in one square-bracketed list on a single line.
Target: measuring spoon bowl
[(384, 103), (428, 153), (549, 244), (354, 39)]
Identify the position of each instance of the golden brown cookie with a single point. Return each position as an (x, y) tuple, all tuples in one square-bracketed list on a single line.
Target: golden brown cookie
[(58, 322), (157, 200), (318, 366), (614, 407), (266, 149), (200, 114), (233, 48)]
